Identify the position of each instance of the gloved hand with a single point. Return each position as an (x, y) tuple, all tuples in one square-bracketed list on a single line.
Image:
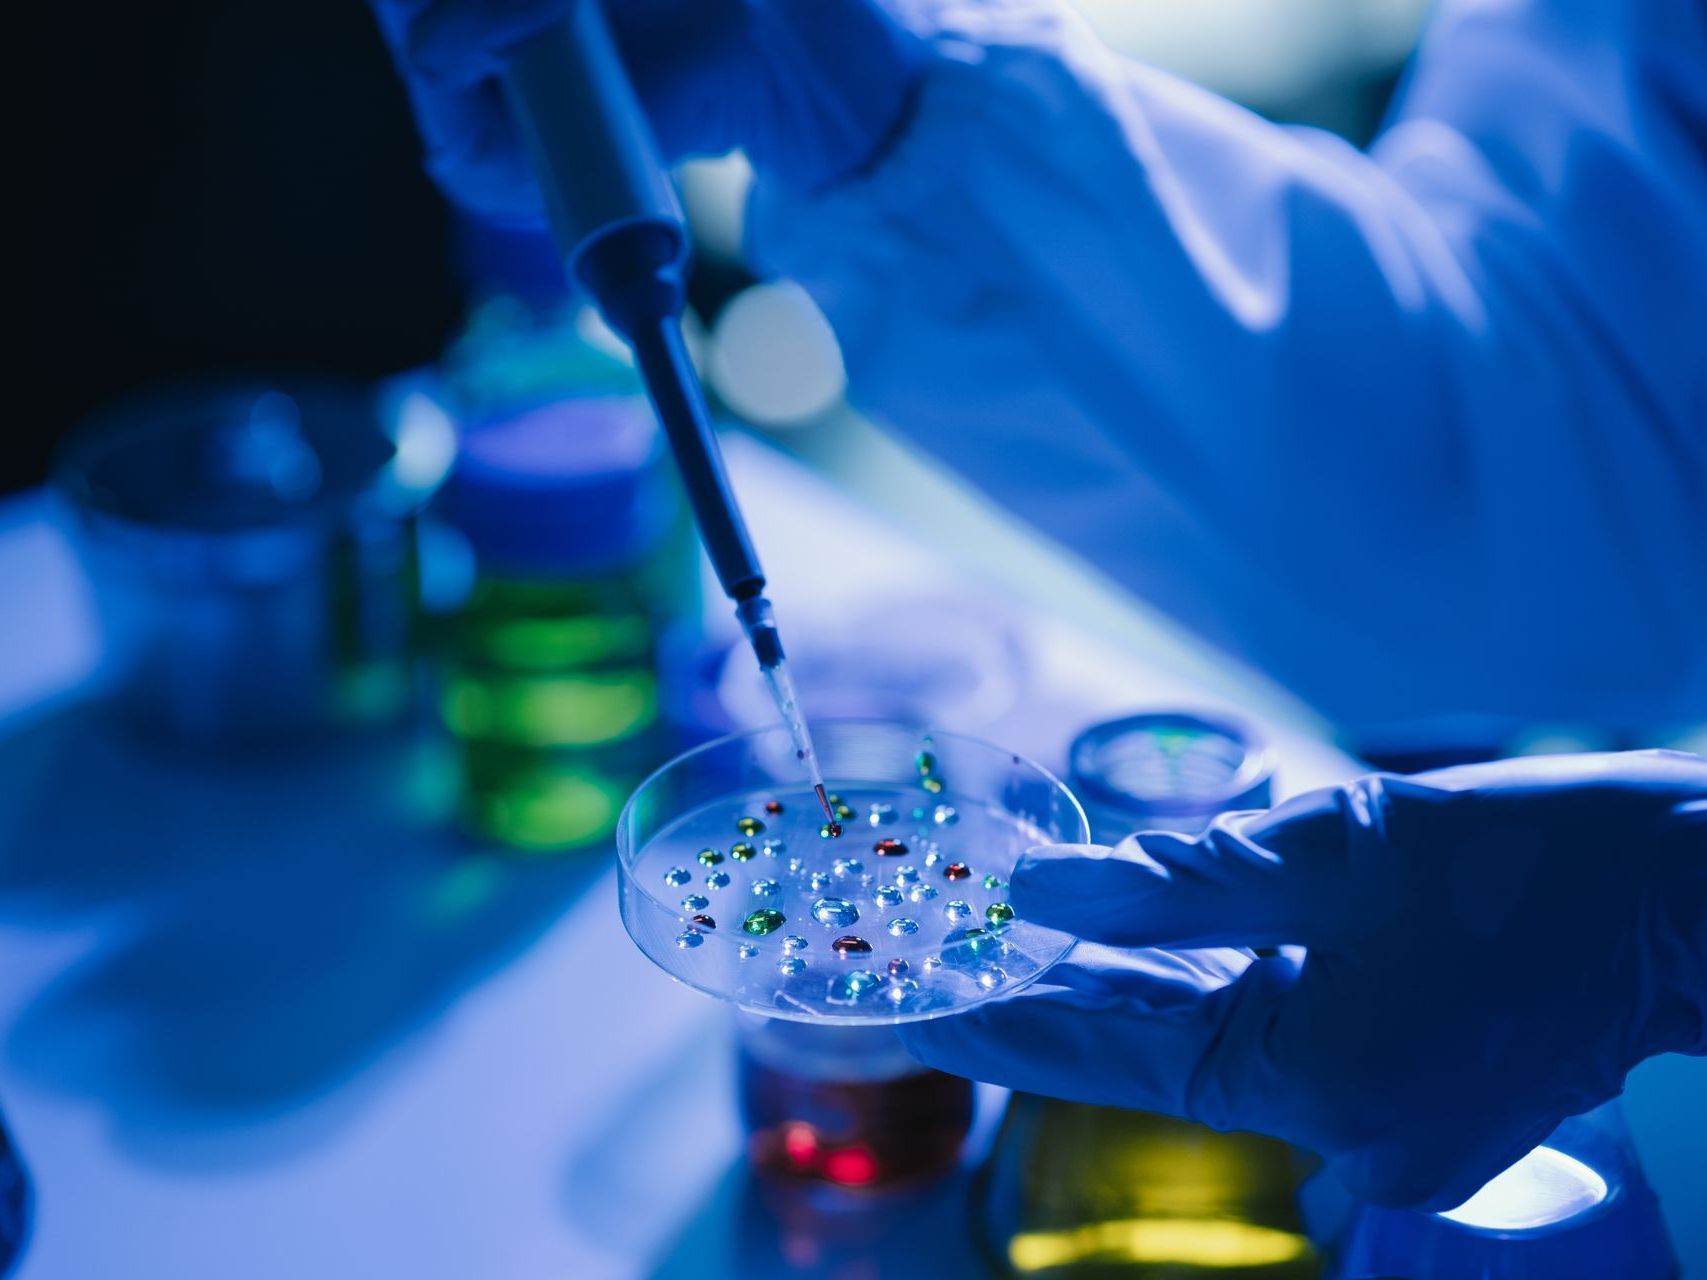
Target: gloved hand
[(811, 88), (1488, 950)]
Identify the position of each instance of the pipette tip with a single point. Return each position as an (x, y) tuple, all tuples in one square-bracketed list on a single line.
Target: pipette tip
[(829, 813)]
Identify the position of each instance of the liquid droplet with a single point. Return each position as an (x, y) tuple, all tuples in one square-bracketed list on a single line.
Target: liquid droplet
[(746, 951), (995, 883), (819, 881), (764, 920), (794, 942), (835, 913), (844, 812), (773, 806), (898, 968), (848, 945), (887, 896), (695, 902), (889, 847), (773, 845), (926, 762), (903, 927), (829, 830), (717, 880), (958, 911), (705, 922), (881, 815), (921, 893), (687, 939), (847, 867), (709, 857), (846, 988), (741, 851), (933, 858), (918, 814), (905, 876), (901, 990), (677, 876), (766, 888), (957, 871), (945, 815), (932, 964), (789, 966), (932, 785), (991, 978), (796, 865), (749, 826), (998, 913)]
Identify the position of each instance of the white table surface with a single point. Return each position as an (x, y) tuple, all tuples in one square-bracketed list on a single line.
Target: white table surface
[(281, 1023)]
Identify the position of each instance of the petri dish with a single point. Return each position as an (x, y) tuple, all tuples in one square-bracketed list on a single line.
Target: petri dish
[(730, 881)]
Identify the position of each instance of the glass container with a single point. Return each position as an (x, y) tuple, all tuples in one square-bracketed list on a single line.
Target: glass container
[(551, 671), (253, 554), (1073, 1190)]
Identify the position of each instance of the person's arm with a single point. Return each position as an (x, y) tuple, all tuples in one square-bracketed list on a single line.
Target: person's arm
[(1418, 430)]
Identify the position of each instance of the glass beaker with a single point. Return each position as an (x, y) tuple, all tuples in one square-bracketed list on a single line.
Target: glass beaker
[(253, 552), (731, 882), (1086, 1191)]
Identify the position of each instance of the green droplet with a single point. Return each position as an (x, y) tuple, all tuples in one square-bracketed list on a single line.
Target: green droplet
[(993, 882), (926, 762), (764, 920), (742, 851), (709, 857), (998, 913), (749, 826)]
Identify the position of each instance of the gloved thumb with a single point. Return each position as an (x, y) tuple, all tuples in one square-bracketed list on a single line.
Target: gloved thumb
[(1158, 889)]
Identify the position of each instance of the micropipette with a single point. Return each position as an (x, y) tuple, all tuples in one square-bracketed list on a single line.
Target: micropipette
[(620, 228)]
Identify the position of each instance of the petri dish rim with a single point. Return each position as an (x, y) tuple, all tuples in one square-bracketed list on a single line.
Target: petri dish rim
[(631, 884)]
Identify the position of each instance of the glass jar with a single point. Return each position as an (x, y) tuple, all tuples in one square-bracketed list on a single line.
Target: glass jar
[(582, 559), (844, 1106), (1073, 1190)]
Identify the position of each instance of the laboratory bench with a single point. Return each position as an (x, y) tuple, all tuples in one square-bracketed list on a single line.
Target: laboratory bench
[(268, 1023)]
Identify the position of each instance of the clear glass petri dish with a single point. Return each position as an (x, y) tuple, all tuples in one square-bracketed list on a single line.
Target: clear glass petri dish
[(731, 881)]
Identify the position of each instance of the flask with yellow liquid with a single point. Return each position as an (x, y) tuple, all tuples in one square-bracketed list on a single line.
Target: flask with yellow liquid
[(1099, 1193)]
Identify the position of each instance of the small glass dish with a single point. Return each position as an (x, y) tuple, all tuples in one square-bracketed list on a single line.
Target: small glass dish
[(731, 881)]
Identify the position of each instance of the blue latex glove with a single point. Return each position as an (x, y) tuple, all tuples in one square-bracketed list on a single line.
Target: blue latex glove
[(811, 88), (1489, 950)]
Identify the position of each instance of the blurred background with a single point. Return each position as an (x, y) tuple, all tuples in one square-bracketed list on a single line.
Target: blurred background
[(234, 186)]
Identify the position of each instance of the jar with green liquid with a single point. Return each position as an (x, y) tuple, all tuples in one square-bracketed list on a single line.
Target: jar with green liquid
[(583, 557)]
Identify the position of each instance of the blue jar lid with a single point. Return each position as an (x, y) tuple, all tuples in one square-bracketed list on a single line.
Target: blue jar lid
[(578, 486)]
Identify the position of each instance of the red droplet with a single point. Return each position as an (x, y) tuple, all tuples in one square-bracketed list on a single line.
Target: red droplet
[(705, 922), (889, 847), (773, 806), (851, 1166), (957, 871), (800, 1143), (835, 829), (848, 945)]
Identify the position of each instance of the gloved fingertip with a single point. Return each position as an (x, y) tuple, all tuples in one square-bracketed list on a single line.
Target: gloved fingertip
[(940, 1042)]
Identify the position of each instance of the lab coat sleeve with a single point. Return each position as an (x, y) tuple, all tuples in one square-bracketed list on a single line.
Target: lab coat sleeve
[(1418, 430)]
